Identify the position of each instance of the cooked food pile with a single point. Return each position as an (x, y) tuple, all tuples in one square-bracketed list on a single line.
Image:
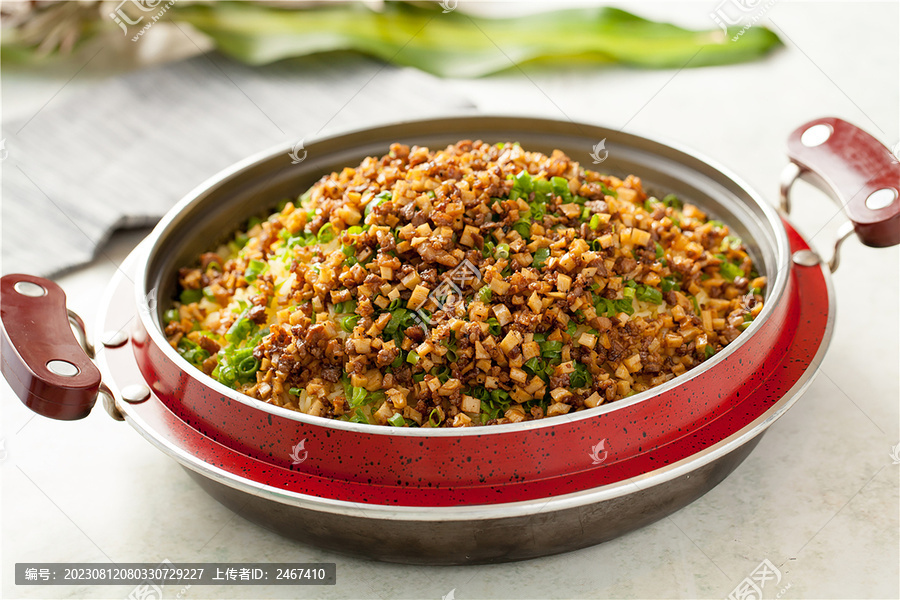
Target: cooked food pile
[(480, 284)]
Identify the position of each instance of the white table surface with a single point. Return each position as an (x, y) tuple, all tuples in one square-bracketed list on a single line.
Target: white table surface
[(818, 498)]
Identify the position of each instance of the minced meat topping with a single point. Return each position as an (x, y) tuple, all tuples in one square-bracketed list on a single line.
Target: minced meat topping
[(475, 285)]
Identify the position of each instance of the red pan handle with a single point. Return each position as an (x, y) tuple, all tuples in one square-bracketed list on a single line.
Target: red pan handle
[(41, 359), (856, 170)]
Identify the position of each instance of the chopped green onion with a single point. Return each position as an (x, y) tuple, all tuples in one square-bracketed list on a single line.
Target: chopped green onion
[(173, 314), (523, 183), (523, 228), (345, 307), (595, 222), (494, 326), (413, 357), (227, 375), (561, 188), (669, 284), (381, 198), (359, 417), (239, 330), (294, 391), (648, 204), (733, 242), (645, 293), (442, 373), (248, 366), (551, 350), (190, 296), (624, 305), (484, 294), (540, 258), (502, 250), (672, 201), (580, 377), (696, 305), (729, 271), (660, 252), (716, 223), (628, 293), (397, 420), (326, 233), (349, 322), (535, 366), (709, 350), (254, 269), (358, 396)]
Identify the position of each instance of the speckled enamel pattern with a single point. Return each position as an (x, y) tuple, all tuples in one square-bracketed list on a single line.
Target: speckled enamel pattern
[(496, 465)]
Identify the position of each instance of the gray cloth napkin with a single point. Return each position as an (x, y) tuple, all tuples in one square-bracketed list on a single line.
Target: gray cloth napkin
[(121, 153)]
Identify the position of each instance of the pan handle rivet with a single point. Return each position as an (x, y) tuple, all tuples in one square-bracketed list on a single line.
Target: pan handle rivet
[(63, 368), (816, 135), (33, 290), (805, 258), (137, 392), (881, 198), (114, 339)]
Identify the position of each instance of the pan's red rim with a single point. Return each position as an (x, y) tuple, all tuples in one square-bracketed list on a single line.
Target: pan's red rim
[(461, 512), (149, 318)]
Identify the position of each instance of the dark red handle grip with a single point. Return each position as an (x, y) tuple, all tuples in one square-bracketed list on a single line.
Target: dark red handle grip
[(857, 170), (42, 360)]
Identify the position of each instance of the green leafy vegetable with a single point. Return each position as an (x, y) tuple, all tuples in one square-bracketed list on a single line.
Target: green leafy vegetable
[(460, 45)]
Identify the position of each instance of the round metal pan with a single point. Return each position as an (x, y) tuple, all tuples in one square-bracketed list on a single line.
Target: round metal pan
[(484, 494)]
